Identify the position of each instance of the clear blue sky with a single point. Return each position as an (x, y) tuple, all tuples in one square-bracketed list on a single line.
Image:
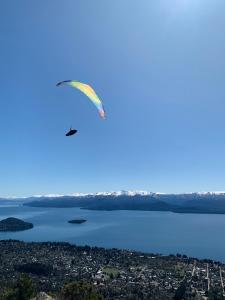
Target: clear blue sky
[(158, 65)]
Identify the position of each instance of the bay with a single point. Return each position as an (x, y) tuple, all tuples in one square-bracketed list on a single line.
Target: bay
[(196, 235)]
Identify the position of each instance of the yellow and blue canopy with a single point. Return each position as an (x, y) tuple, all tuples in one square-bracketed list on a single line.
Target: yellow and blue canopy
[(88, 91)]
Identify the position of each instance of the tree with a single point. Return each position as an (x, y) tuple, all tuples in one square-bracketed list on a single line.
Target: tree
[(180, 292), (215, 294), (23, 290), (80, 290)]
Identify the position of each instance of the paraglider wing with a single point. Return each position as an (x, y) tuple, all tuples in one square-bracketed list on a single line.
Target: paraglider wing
[(88, 91)]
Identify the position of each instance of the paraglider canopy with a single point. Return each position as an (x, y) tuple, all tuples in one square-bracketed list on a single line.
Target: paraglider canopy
[(88, 91)]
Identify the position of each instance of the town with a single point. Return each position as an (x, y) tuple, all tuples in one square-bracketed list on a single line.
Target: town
[(115, 274)]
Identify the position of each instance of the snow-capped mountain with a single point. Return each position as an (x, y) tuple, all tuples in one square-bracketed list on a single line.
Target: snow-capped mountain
[(111, 193), (126, 193), (130, 193), (211, 193), (204, 202)]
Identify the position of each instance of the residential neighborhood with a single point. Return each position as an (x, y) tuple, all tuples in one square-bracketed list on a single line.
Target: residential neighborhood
[(114, 273)]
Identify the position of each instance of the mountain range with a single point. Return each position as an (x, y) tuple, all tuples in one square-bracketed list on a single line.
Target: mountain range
[(208, 202)]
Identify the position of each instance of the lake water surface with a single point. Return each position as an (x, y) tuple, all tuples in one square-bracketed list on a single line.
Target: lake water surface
[(197, 235)]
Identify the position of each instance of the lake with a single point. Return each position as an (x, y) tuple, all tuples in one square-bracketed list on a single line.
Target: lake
[(196, 235)]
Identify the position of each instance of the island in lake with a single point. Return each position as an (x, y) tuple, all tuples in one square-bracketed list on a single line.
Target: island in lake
[(77, 221), (14, 224)]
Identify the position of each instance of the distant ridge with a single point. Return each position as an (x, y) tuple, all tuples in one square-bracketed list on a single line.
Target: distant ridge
[(110, 193), (206, 202)]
